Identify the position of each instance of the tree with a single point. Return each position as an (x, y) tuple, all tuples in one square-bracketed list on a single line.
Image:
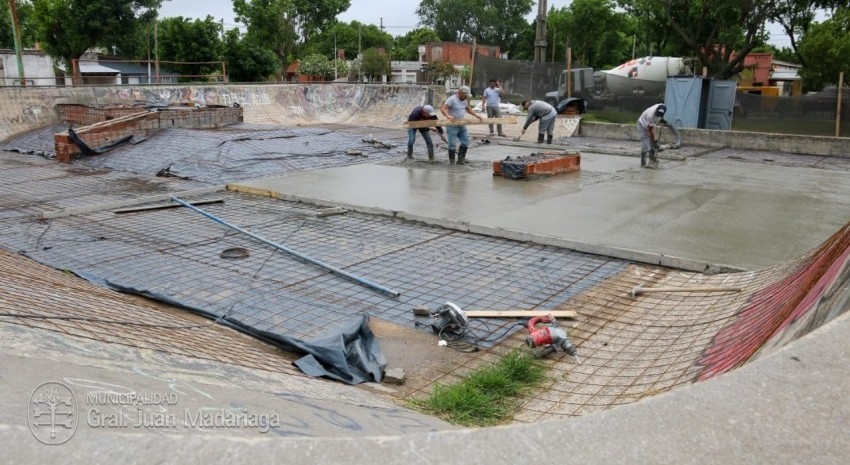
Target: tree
[(651, 32), (320, 65), (720, 33), (67, 28), (826, 46), (286, 25), (491, 22), (247, 62), (374, 64), (406, 47), (348, 37), (25, 25), (182, 39), (595, 32), (795, 17)]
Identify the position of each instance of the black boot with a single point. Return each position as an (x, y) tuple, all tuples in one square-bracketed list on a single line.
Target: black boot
[(430, 152), (409, 152), (540, 138), (643, 159), (549, 139), (461, 155), (451, 156)]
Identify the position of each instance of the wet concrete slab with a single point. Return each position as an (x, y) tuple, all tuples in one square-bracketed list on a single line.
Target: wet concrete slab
[(719, 211)]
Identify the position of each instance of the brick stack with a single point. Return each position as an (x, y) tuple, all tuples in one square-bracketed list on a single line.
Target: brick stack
[(543, 164), (108, 125)]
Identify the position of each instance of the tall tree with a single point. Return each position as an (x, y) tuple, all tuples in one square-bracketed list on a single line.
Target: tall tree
[(598, 35), (191, 41), (351, 38), (826, 46), (490, 22), (67, 28), (796, 16), (248, 62), (374, 64), (652, 34), (25, 25), (406, 47), (286, 25), (720, 33)]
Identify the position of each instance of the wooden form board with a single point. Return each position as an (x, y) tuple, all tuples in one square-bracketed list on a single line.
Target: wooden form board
[(519, 313), (429, 123)]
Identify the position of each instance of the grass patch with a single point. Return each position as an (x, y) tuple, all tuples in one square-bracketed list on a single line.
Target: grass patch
[(487, 396)]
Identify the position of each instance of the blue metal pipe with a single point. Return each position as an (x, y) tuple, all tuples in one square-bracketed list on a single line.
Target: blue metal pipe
[(318, 263)]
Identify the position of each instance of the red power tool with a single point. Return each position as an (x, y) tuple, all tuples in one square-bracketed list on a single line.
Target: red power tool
[(549, 338)]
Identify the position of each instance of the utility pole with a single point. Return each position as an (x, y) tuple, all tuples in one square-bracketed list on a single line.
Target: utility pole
[(16, 29), (156, 48), (336, 52), (540, 37)]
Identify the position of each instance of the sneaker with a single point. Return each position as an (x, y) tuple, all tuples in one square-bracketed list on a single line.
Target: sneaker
[(502, 134)]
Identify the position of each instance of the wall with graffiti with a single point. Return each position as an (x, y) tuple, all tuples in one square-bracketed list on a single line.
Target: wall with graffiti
[(25, 109)]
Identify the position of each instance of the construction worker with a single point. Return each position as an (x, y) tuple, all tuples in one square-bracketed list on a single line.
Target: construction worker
[(455, 108), (421, 113), (491, 103), (540, 110), (646, 123)]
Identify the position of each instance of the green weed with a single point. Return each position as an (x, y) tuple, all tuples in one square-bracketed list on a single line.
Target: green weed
[(488, 395)]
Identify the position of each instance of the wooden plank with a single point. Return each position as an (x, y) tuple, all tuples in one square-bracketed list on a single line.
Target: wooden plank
[(429, 123), (519, 313)]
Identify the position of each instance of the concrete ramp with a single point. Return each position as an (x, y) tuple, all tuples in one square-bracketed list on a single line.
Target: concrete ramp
[(379, 105)]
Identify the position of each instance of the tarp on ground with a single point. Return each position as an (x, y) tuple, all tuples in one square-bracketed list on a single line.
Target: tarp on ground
[(349, 352)]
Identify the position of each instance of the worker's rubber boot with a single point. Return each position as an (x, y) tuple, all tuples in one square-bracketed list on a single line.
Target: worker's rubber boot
[(549, 138), (461, 155), (430, 152), (451, 156), (653, 160), (540, 138), (409, 152), (643, 159)]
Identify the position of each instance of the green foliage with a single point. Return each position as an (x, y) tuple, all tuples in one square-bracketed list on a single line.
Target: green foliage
[(487, 396), (320, 65), (284, 26), (67, 28), (25, 24), (374, 64), (598, 35), (490, 22), (438, 72), (247, 62), (182, 39), (825, 49), (406, 47), (720, 33), (348, 37)]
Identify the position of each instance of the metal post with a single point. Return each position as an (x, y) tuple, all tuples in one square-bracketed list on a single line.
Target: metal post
[(16, 30), (838, 105), (333, 269)]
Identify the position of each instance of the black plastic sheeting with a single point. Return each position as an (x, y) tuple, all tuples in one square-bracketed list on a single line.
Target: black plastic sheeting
[(512, 169), (349, 352)]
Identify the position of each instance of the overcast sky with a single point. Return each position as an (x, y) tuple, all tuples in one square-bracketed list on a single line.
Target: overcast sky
[(399, 16)]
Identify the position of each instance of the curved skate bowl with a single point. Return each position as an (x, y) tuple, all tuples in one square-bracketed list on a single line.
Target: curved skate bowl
[(631, 347)]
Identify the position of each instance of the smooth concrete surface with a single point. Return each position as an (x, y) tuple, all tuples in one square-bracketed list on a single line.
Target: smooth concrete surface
[(721, 212), (787, 408), (179, 388)]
